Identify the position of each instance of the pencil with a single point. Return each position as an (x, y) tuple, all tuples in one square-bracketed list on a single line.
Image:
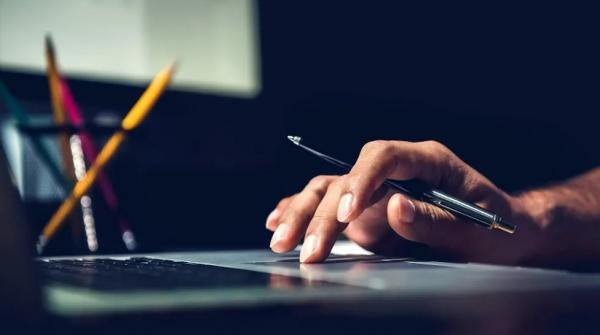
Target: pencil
[(78, 153), (58, 113), (90, 153), (89, 222), (133, 119)]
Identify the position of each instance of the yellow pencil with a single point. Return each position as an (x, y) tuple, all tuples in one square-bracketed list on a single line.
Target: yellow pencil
[(135, 116)]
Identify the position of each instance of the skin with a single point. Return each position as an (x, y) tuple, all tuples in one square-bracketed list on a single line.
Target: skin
[(556, 225)]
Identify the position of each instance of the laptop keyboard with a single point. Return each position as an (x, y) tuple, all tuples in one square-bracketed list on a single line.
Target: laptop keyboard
[(142, 273)]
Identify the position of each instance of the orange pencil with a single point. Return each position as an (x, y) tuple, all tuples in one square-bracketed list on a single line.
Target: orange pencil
[(58, 111), (60, 120)]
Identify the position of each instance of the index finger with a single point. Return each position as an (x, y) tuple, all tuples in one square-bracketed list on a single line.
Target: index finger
[(381, 160)]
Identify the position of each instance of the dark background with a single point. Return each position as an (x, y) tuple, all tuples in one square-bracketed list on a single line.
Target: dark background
[(512, 89)]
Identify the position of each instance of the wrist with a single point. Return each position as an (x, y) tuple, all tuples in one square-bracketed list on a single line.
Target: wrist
[(553, 236), (532, 213), (539, 207)]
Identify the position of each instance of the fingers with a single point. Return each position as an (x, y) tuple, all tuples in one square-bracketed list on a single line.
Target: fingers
[(324, 227), (275, 215), (296, 214), (381, 160), (371, 229)]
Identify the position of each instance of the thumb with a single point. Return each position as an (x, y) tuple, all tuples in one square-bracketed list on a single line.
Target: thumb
[(424, 223)]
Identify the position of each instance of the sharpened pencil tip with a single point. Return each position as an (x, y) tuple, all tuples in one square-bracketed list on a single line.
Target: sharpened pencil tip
[(173, 66), (50, 52), (49, 43), (295, 139)]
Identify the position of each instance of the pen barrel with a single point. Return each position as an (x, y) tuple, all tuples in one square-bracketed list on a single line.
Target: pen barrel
[(461, 208)]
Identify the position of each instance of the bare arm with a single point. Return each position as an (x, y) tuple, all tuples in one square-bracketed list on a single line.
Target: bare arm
[(568, 214)]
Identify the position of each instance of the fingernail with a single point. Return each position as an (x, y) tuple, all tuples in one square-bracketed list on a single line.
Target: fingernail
[(274, 215), (279, 234), (344, 207), (407, 210), (308, 247)]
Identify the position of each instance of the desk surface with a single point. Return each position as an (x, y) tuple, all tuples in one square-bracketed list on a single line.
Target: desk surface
[(541, 305)]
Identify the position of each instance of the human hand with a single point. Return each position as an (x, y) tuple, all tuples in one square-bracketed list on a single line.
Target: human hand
[(359, 205)]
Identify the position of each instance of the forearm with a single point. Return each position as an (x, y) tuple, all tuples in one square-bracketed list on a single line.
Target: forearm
[(568, 217)]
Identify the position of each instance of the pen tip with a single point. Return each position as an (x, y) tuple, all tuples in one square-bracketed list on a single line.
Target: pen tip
[(295, 139)]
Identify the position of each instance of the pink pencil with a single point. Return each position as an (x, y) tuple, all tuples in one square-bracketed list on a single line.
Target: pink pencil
[(90, 152)]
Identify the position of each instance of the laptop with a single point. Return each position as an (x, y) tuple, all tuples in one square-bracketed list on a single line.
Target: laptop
[(93, 287)]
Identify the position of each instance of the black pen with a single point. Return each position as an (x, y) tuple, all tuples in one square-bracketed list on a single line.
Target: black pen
[(420, 191)]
